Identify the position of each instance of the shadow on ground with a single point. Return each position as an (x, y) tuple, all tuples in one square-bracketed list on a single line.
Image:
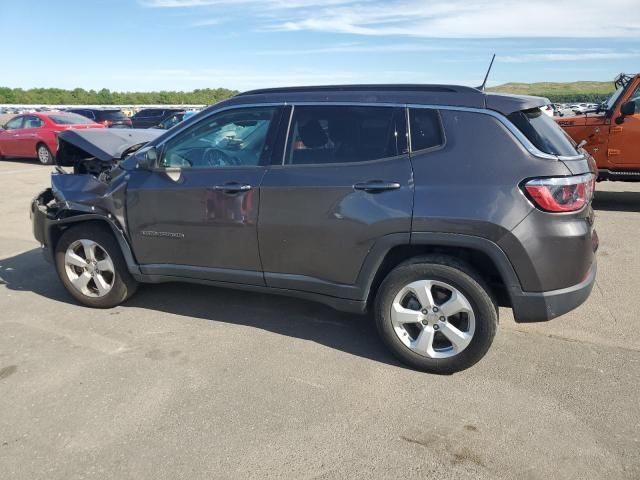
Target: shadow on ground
[(354, 334), (617, 201)]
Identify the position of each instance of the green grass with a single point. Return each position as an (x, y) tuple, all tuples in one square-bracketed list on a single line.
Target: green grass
[(560, 92)]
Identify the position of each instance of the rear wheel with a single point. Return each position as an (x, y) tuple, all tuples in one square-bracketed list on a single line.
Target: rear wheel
[(91, 266), (436, 315), (44, 154)]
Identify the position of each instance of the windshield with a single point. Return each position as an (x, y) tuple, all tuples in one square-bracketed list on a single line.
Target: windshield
[(543, 132), (70, 119), (608, 105)]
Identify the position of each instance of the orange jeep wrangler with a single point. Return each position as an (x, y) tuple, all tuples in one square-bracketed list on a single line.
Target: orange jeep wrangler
[(611, 133)]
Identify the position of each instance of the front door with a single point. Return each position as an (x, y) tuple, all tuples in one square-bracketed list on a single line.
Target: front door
[(10, 137), (344, 183), (195, 215), (624, 139)]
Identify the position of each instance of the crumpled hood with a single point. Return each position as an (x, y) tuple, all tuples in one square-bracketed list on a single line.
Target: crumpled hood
[(104, 144)]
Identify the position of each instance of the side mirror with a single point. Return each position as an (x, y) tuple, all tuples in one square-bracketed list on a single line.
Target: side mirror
[(628, 108), (147, 159)]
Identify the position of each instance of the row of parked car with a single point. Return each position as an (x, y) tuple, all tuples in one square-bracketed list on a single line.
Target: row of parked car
[(34, 134)]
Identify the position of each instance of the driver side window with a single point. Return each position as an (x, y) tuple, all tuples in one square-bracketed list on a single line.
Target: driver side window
[(233, 138)]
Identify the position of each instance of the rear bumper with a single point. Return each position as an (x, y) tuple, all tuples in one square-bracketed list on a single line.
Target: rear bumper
[(543, 306)]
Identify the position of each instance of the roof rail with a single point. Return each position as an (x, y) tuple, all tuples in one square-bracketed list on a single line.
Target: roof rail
[(367, 88)]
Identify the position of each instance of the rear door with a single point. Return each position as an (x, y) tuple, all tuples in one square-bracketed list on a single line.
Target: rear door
[(29, 136), (10, 137), (343, 183), (196, 214)]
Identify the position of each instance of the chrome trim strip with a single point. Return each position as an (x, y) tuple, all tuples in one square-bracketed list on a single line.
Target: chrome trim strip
[(526, 143), (286, 137), (408, 128)]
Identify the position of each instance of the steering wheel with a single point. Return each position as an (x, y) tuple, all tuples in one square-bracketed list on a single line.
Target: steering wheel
[(217, 158)]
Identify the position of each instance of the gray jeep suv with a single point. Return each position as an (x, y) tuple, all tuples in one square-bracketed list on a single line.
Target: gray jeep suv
[(429, 205)]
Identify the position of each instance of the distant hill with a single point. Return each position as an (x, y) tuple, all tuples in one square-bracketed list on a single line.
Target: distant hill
[(560, 92)]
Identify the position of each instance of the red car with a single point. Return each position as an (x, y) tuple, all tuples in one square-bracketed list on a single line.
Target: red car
[(33, 135)]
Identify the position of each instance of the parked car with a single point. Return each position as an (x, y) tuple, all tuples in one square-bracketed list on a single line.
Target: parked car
[(112, 118), (170, 121), (428, 205), (175, 119), (547, 110), (612, 133), (33, 135), (150, 117)]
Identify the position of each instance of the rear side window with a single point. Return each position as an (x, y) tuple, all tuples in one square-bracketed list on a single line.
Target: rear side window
[(426, 131), (110, 115), (69, 119), (345, 134), (32, 122), (148, 113), (543, 132)]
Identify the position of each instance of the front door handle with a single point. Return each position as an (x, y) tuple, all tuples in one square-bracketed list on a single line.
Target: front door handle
[(375, 186), (232, 187)]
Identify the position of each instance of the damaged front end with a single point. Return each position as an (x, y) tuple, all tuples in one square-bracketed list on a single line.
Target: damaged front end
[(94, 190)]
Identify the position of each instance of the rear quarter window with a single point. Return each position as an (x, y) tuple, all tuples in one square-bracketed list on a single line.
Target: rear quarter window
[(541, 130), (426, 130)]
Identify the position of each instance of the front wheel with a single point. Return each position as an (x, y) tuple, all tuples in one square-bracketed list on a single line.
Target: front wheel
[(44, 154), (91, 266), (435, 315)]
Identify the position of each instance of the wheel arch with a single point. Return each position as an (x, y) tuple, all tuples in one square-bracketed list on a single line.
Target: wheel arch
[(73, 219), (483, 255)]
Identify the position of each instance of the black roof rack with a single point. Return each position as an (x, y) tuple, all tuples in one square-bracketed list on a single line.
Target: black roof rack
[(368, 88)]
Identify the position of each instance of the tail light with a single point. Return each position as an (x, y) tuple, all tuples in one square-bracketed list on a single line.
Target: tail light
[(561, 194), (107, 123)]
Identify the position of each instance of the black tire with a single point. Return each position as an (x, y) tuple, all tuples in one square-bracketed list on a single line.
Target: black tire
[(124, 285), (457, 274), (49, 154)]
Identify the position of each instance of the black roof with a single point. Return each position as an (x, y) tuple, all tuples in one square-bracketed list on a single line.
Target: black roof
[(445, 95)]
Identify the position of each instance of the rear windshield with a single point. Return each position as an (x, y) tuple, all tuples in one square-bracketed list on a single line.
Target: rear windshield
[(70, 119), (110, 115), (543, 132)]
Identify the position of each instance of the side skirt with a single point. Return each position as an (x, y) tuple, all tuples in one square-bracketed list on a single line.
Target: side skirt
[(341, 304)]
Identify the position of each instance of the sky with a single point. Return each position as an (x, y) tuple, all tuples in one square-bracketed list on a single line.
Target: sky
[(142, 45)]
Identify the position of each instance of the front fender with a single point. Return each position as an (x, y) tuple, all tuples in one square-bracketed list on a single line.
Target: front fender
[(51, 220)]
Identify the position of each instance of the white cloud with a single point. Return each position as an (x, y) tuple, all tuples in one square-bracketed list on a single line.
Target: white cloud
[(438, 18), (575, 56)]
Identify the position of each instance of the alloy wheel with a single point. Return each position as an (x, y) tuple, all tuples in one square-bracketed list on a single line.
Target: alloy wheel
[(43, 155), (433, 318), (89, 268)]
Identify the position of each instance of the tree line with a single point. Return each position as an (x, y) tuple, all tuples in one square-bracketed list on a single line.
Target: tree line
[(80, 96), (205, 96)]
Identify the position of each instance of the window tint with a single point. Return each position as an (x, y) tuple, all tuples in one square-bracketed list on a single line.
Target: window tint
[(543, 132), (635, 97), (344, 134), (109, 115), (426, 131), (227, 139), (14, 123), (148, 113), (32, 122)]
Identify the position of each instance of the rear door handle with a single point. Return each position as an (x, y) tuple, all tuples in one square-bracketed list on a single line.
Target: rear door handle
[(375, 186), (232, 187)]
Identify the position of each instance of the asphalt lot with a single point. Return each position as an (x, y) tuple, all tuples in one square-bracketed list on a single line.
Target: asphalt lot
[(187, 381)]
